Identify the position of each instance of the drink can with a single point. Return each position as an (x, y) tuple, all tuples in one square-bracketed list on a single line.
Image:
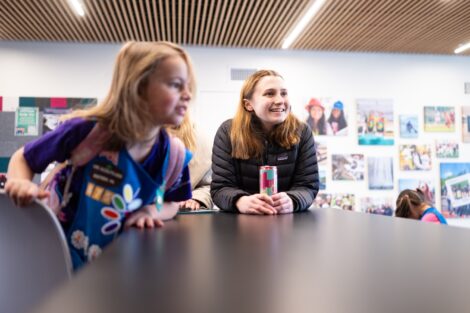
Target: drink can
[(268, 180)]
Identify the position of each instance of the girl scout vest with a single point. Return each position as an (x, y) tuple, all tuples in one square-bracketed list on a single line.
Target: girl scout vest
[(114, 186)]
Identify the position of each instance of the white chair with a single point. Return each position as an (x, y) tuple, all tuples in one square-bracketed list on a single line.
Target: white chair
[(34, 256)]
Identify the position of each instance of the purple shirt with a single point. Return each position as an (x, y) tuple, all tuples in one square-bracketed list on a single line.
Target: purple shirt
[(58, 144)]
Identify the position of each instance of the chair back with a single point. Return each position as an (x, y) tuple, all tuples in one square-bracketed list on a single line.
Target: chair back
[(34, 256)]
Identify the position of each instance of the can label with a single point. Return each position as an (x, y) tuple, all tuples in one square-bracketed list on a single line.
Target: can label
[(268, 180)]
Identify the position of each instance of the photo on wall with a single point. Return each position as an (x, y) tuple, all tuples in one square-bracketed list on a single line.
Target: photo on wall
[(466, 124), (342, 201), (439, 119), (51, 118), (446, 149), (455, 190), (322, 178), (380, 173), (415, 157), (327, 116), (377, 205), (375, 122), (26, 121), (347, 167), (321, 152), (409, 126), (426, 186)]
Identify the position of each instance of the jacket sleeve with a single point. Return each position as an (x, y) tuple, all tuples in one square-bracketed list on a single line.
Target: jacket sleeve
[(202, 192), (305, 183), (224, 188)]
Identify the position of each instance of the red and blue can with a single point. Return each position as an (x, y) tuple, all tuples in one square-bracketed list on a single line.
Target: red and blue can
[(268, 180)]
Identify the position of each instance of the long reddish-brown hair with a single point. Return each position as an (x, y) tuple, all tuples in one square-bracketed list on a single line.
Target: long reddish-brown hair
[(245, 135)]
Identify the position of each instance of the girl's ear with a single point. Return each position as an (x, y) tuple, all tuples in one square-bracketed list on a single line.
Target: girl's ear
[(247, 105)]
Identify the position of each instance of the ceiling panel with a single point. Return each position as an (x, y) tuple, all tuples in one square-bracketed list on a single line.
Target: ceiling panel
[(401, 26)]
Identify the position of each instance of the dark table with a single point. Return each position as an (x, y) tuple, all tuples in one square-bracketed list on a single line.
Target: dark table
[(318, 261)]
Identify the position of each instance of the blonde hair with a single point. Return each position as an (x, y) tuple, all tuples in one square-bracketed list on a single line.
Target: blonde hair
[(124, 112), (245, 135), (185, 132)]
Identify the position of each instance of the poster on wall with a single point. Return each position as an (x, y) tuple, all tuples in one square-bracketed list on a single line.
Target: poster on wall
[(425, 185), (327, 116), (446, 149), (439, 119), (380, 173), (377, 205), (342, 201), (455, 190), (51, 118), (347, 167), (466, 124), (415, 157), (375, 122), (409, 126), (26, 121)]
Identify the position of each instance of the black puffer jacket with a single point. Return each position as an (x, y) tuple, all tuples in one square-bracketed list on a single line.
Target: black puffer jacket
[(297, 171)]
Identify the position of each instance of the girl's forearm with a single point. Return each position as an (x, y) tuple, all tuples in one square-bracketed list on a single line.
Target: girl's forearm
[(168, 211), (18, 168)]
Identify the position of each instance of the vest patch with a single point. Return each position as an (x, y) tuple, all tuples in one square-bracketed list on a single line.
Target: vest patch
[(282, 157)]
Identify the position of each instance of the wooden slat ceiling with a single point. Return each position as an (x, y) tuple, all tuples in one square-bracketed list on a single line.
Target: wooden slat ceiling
[(403, 26)]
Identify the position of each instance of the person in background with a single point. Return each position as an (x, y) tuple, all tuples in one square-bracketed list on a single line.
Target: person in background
[(199, 167), (264, 132), (316, 118), (337, 121), (412, 204), (123, 184)]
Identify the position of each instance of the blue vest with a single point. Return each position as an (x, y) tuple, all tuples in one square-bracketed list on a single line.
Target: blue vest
[(438, 214), (114, 186)]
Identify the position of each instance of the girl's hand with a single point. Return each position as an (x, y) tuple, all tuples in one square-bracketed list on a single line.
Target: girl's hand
[(282, 203), (23, 191), (256, 204), (191, 204), (146, 216)]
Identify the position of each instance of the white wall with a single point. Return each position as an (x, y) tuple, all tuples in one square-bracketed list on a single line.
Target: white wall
[(412, 81)]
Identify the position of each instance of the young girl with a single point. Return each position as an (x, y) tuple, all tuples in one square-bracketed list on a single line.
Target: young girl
[(151, 86), (264, 132), (337, 120), (199, 167), (412, 204), (316, 118)]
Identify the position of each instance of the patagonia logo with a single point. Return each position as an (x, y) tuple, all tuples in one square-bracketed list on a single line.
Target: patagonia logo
[(282, 157)]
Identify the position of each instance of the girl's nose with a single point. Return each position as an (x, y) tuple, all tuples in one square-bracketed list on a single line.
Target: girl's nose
[(186, 94)]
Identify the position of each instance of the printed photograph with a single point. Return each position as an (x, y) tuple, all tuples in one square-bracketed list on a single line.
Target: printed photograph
[(380, 173), (409, 126), (415, 157), (342, 201), (375, 122), (446, 149), (320, 148), (455, 190), (466, 124), (327, 116), (347, 167), (377, 205), (439, 119)]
